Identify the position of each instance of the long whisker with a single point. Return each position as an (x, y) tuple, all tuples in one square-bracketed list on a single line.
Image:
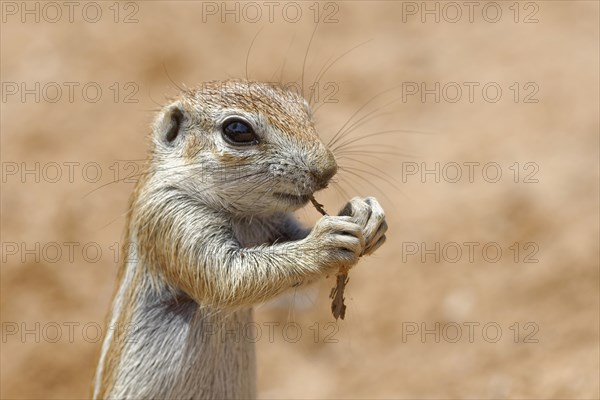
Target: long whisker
[(350, 50), (342, 193), (285, 58), (315, 81), (250, 49), (334, 138), (268, 190), (349, 182), (366, 118), (370, 155), (387, 178), (251, 189), (382, 172), (306, 57), (354, 140), (354, 125), (366, 181), (371, 148), (152, 171), (181, 89), (326, 67)]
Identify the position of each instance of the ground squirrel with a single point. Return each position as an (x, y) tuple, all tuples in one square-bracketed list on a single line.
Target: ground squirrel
[(210, 232)]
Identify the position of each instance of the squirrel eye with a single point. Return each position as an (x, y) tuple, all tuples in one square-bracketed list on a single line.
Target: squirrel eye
[(238, 131)]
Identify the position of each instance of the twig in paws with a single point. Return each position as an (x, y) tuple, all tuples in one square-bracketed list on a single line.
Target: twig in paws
[(338, 308)]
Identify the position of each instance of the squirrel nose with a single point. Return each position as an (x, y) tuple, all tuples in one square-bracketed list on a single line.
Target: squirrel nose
[(325, 171)]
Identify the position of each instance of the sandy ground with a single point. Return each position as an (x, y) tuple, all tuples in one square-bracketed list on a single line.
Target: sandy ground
[(488, 286)]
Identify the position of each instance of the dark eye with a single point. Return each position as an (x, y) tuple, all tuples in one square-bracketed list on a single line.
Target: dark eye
[(238, 131)]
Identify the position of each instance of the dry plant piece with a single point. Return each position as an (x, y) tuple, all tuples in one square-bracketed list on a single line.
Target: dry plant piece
[(318, 205), (338, 308)]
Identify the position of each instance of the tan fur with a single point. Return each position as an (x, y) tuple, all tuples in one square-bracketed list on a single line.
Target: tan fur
[(212, 227)]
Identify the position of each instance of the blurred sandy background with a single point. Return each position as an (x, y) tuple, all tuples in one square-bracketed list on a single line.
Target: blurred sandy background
[(551, 211)]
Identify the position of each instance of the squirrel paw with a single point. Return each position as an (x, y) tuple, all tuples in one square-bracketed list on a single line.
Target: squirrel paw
[(338, 241), (369, 215)]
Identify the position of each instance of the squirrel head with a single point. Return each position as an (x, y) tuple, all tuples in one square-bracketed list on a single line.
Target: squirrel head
[(247, 147)]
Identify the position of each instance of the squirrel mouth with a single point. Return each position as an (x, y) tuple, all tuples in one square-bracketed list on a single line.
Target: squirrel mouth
[(291, 198)]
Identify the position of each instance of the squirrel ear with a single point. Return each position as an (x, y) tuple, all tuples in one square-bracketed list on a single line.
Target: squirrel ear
[(169, 126)]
